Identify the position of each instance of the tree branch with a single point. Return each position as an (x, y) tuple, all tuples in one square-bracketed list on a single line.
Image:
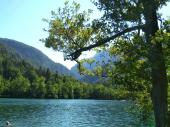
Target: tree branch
[(78, 52)]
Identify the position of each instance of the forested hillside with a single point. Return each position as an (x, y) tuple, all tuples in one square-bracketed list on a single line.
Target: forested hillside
[(18, 78), (35, 57)]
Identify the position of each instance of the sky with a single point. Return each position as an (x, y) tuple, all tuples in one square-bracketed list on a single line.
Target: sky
[(21, 20)]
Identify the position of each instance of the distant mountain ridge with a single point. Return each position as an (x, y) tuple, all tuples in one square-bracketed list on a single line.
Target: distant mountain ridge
[(34, 56), (100, 58)]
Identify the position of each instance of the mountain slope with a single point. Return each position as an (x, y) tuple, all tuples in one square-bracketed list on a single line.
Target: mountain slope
[(34, 56), (100, 59)]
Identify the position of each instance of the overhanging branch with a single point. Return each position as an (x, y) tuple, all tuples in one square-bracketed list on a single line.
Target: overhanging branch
[(78, 52)]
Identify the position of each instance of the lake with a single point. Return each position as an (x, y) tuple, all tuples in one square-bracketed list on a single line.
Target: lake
[(66, 113)]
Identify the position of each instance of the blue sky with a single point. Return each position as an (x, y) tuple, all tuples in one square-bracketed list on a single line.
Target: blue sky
[(21, 20)]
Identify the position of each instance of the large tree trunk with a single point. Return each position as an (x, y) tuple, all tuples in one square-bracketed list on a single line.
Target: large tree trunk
[(159, 76)]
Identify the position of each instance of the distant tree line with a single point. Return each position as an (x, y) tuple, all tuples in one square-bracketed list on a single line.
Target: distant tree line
[(21, 80)]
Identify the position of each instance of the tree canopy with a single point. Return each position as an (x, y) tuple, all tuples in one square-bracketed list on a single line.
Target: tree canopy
[(130, 28)]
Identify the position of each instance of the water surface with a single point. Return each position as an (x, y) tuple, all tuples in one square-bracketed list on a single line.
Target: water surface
[(66, 113)]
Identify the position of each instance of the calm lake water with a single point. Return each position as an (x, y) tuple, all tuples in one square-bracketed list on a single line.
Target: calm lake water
[(66, 113)]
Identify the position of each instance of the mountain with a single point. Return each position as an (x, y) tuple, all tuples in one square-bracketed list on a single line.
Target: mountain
[(100, 58), (34, 56)]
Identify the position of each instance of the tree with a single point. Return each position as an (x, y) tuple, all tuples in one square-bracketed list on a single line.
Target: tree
[(52, 91), (31, 74), (19, 86), (2, 85), (72, 33), (38, 87)]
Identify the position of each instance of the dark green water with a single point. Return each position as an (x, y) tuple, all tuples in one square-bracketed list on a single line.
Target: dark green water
[(66, 113)]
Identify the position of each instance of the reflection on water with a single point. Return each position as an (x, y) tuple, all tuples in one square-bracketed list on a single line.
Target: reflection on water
[(65, 113)]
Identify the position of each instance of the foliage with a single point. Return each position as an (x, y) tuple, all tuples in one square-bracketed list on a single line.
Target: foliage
[(168, 105), (143, 108), (134, 37), (70, 30), (19, 86), (1, 85), (19, 79)]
